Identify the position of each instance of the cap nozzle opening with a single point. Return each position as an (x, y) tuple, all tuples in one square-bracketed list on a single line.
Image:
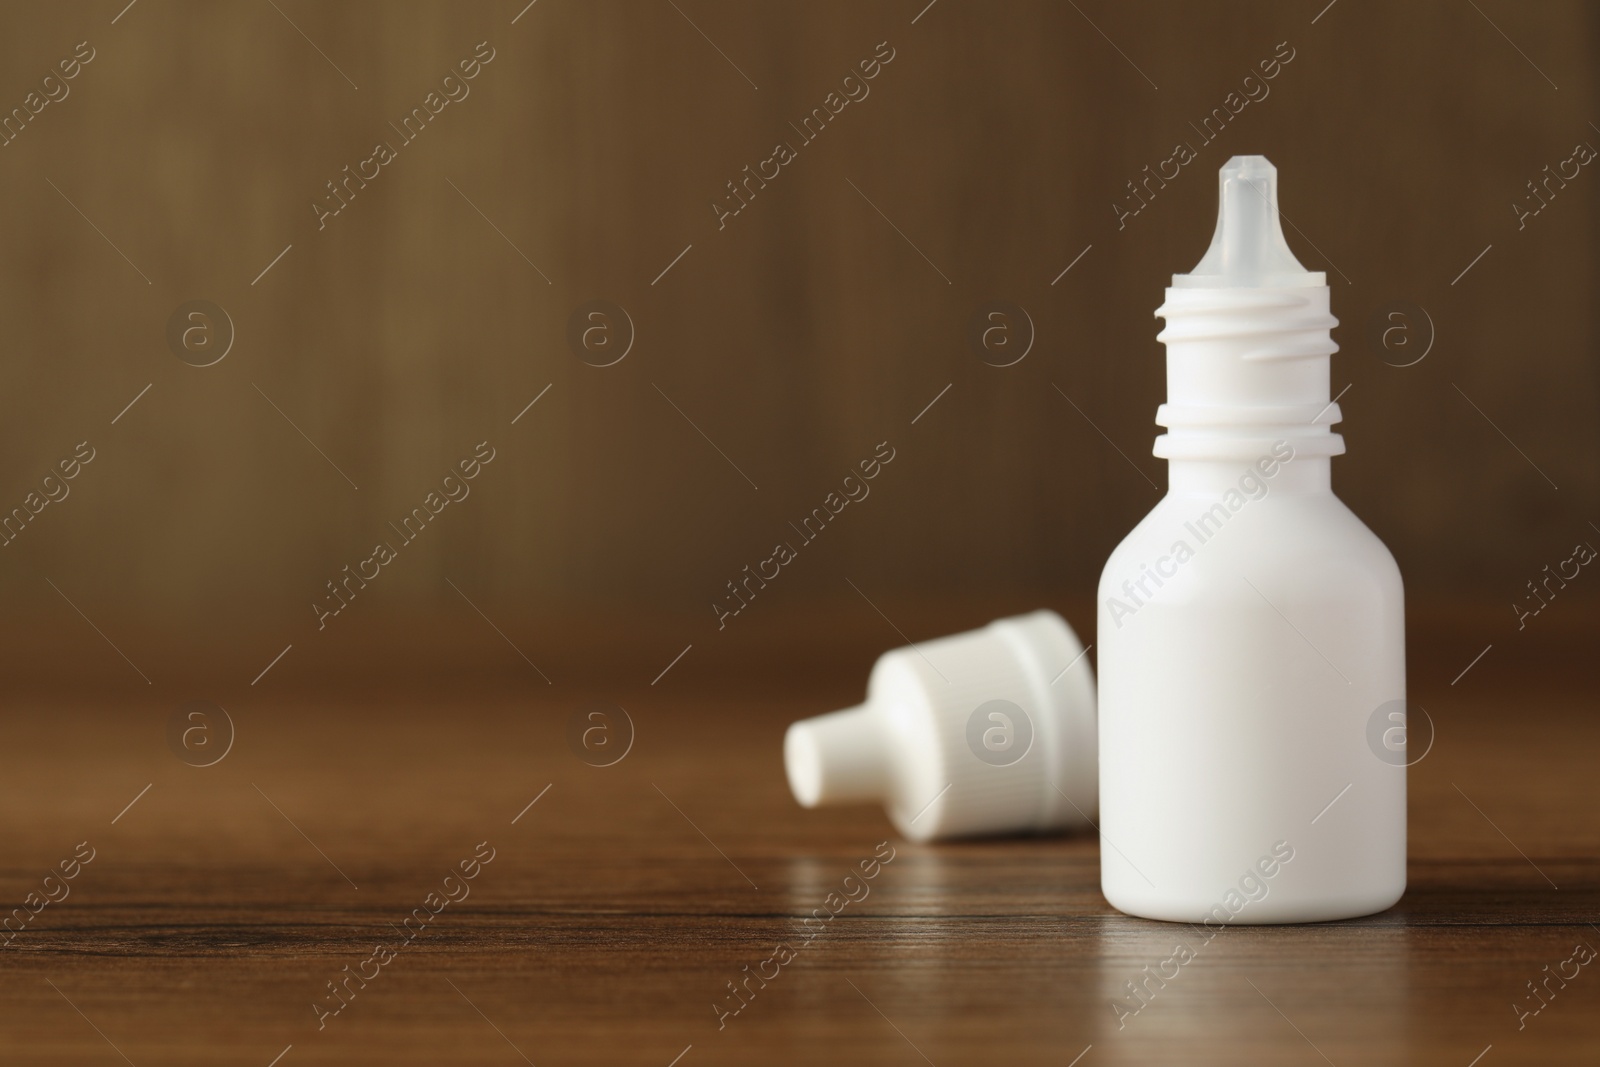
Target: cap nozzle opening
[(835, 759)]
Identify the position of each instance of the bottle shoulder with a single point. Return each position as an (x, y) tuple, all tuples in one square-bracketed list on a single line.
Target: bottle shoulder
[(1297, 535)]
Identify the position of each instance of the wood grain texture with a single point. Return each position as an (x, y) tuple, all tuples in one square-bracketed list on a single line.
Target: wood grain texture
[(619, 905), (374, 754), (414, 324)]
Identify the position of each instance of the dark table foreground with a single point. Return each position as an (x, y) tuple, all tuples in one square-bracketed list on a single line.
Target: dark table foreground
[(616, 911)]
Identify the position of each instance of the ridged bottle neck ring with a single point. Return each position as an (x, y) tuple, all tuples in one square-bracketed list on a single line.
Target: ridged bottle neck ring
[(1247, 368)]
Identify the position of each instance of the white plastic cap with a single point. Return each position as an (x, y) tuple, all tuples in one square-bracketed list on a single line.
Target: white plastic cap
[(1248, 250), (987, 732)]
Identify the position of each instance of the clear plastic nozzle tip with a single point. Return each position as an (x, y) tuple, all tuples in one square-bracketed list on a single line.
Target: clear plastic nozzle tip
[(1248, 250)]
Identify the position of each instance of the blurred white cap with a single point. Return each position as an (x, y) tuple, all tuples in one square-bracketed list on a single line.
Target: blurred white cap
[(986, 732)]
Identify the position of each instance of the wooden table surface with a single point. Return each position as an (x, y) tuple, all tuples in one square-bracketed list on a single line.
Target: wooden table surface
[(617, 909)]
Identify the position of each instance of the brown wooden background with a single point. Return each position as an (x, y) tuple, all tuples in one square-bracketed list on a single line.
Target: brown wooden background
[(796, 339)]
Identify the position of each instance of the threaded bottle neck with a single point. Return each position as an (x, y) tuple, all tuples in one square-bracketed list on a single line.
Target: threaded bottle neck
[(1247, 370)]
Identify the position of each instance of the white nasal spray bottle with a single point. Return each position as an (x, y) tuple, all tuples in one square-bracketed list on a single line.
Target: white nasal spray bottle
[(1252, 667), (987, 732)]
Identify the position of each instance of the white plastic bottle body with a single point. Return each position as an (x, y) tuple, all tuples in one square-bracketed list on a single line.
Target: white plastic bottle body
[(1239, 676)]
